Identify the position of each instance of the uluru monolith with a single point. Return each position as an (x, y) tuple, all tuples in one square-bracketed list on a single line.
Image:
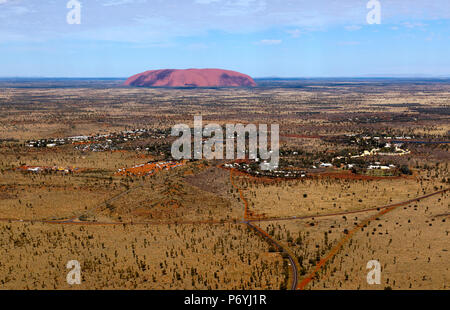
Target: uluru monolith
[(190, 78)]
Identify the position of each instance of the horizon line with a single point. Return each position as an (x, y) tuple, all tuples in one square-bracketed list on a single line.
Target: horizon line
[(375, 76)]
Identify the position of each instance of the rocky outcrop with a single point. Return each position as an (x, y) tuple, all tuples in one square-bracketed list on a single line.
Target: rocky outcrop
[(190, 78)]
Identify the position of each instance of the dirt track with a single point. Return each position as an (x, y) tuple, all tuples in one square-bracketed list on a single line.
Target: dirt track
[(250, 222), (348, 236)]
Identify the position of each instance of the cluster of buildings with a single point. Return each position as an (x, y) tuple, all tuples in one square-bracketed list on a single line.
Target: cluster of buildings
[(370, 166), (253, 169), (45, 142), (376, 146), (367, 137), (40, 169), (100, 142), (378, 165), (387, 150)]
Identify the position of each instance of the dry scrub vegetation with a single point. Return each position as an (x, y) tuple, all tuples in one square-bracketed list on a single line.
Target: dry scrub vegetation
[(166, 197), (34, 256), (327, 195), (411, 244), (182, 228), (45, 196)]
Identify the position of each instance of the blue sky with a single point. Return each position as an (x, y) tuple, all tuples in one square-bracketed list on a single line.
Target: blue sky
[(284, 38)]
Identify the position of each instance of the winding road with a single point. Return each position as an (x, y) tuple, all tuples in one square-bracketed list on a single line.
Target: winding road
[(250, 223), (266, 236), (293, 265)]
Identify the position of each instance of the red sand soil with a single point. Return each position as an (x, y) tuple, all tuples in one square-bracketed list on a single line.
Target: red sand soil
[(149, 168)]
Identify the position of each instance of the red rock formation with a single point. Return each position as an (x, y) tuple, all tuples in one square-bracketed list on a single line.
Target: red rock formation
[(190, 78)]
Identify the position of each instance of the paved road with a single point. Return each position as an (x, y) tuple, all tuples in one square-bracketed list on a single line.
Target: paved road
[(265, 235), (233, 221), (280, 248), (249, 222)]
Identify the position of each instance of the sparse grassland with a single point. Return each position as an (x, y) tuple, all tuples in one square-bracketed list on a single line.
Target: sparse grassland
[(309, 197), (34, 256), (411, 244), (183, 228)]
